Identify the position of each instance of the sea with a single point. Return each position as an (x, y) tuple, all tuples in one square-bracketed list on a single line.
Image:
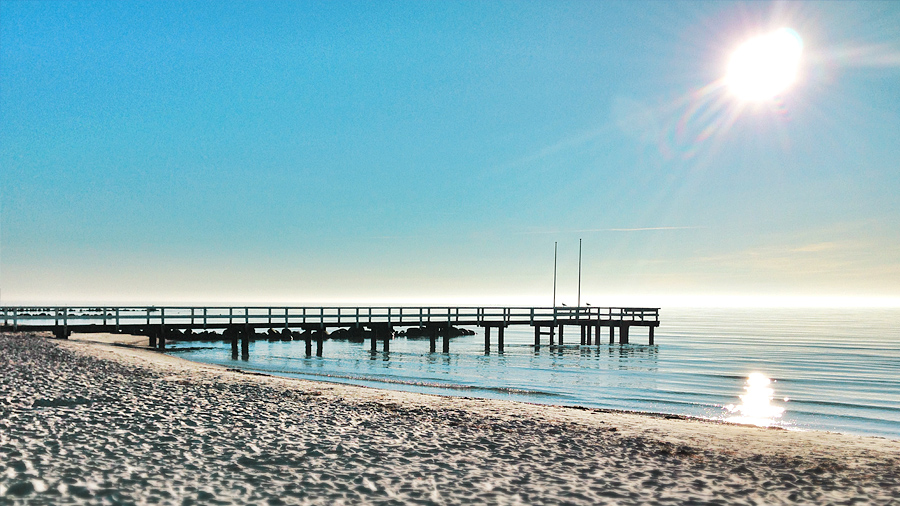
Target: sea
[(798, 368)]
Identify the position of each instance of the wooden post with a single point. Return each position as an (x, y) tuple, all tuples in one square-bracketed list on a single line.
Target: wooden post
[(582, 335), (388, 332), (552, 334), (161, 344), (320, 339), (597, 333), (612, 334), (432, 337), (447, 337), (500, 339), (561, 334), (374, 339), (623, 335), (307, 335), (152, 337), (245, 342), (234, 342), (651, 335), (587, 334), (487, 340), (537, 336)]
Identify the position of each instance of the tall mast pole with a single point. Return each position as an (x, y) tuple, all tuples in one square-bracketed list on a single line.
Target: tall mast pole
[(579, 272), (554, 273)]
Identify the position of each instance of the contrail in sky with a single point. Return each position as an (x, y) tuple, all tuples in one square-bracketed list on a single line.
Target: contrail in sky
[(636, 229)]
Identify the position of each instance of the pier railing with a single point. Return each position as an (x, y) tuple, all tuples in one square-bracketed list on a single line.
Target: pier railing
[(328, 316)]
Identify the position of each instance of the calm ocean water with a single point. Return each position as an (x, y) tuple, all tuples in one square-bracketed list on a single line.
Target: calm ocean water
[(835, 370)]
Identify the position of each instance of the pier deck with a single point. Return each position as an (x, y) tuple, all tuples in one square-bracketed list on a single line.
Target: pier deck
[(380, 321)]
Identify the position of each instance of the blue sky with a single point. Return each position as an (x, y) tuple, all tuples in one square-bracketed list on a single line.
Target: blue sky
[(304, 152)]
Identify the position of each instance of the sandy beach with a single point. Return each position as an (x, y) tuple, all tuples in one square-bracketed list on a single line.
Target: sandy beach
[(105, 420)]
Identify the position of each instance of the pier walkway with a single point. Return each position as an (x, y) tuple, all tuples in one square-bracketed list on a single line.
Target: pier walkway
[(376, 323)]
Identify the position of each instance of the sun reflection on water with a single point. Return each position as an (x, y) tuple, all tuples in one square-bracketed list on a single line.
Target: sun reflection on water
[(756, 404)]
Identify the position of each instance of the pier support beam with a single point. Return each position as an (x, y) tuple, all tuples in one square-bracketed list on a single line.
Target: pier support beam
[(583, 342), (447, 338), (561, 334), (651, 335), (161, 342), (307, 337), (500, 339), (537, 336), (320, 340), (245, 342), (388, 333), (432, 338), (552, 335), (587, 334), (623, 335), (487, 340), (612, 334), (234, 342)]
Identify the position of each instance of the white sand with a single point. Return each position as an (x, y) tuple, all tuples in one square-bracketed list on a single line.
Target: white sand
[(88, 421)]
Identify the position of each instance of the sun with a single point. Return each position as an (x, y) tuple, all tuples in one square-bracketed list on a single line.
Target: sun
[(764, 66)]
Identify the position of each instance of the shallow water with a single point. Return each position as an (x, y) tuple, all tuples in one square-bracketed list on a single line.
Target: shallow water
[(839, 370)]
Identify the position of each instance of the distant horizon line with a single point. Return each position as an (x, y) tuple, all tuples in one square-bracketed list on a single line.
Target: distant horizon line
[(660, 301)]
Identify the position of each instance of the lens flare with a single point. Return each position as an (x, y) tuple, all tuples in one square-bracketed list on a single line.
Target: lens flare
[(765, 66), (756, 404)]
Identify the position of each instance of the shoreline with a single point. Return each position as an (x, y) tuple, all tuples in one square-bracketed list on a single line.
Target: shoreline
[(442, 387), (387, 446)]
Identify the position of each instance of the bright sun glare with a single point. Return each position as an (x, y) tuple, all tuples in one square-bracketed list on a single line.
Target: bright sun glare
[(764, 66)]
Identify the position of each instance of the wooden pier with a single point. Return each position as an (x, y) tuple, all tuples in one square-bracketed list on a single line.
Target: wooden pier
[(239, 324)]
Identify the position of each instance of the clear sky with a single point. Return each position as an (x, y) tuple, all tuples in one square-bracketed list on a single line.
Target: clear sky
[(419, 152)]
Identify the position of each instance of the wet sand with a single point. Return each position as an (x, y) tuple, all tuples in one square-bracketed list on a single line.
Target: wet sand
[(86, 421)]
